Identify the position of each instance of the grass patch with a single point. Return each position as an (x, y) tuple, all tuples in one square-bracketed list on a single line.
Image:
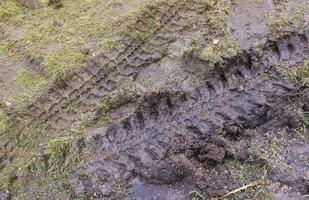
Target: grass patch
[(247, 173), (102, 120), (216, 53), (61, 63), (31, 83), (56, 151), (283, 21), (195, 195), (81, 126), (304, 121), (299, 75), (55, 35), (10, 11), (263, 153), (107, 44), (219, 44), (5, 48), (3, 122)]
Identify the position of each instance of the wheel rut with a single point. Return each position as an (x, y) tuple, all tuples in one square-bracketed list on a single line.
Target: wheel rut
[(169, 130)]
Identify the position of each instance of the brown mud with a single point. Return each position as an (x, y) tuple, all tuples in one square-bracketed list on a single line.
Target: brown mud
[(178, 124)]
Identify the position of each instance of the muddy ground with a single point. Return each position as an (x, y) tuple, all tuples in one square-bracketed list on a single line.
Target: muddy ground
[(214, 99)]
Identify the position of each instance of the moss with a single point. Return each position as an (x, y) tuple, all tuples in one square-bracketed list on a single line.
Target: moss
[(216, 53)]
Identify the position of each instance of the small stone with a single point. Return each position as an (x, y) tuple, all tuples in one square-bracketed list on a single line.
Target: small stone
[(57, 23), (85, 51), (215, 41), (55, 3), (32, 4), (7, 103)]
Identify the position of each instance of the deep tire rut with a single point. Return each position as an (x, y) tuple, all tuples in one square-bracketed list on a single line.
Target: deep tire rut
[(202, 124)]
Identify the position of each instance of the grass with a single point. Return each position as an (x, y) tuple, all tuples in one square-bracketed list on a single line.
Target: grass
[(30, 83), (247, 173), (81, 126), (283, 21), (51, 171), (5, 48), (195, 195), (216, 53), (304, 121), (3, 122), (299, 75), (108, 44), (102, 120), (56, 36), (217, 30), (56, 151), (263, 153), (9, 11), (53, 38), (55, 60)]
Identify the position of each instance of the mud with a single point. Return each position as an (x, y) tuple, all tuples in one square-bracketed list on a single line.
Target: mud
[(170, 134), (175, 122)]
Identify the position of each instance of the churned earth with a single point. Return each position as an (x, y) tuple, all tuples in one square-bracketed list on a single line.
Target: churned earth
[(144, 100)]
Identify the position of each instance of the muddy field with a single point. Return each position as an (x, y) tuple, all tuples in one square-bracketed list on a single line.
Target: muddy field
[(195, 100)]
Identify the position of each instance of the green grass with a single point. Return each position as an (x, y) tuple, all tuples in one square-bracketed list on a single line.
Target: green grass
[(102, 120), (247, 173), (5, 48), (108, 44), (282, 21), (81, 126), (3, 122), (54, 63), (216, 53), (57, 35), (9, 11), (195, 195), (298, 75), (216, 29), (304, 121), (30, 84), (57, 150)]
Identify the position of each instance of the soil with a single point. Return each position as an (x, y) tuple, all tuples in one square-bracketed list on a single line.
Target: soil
[(177, 124)]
